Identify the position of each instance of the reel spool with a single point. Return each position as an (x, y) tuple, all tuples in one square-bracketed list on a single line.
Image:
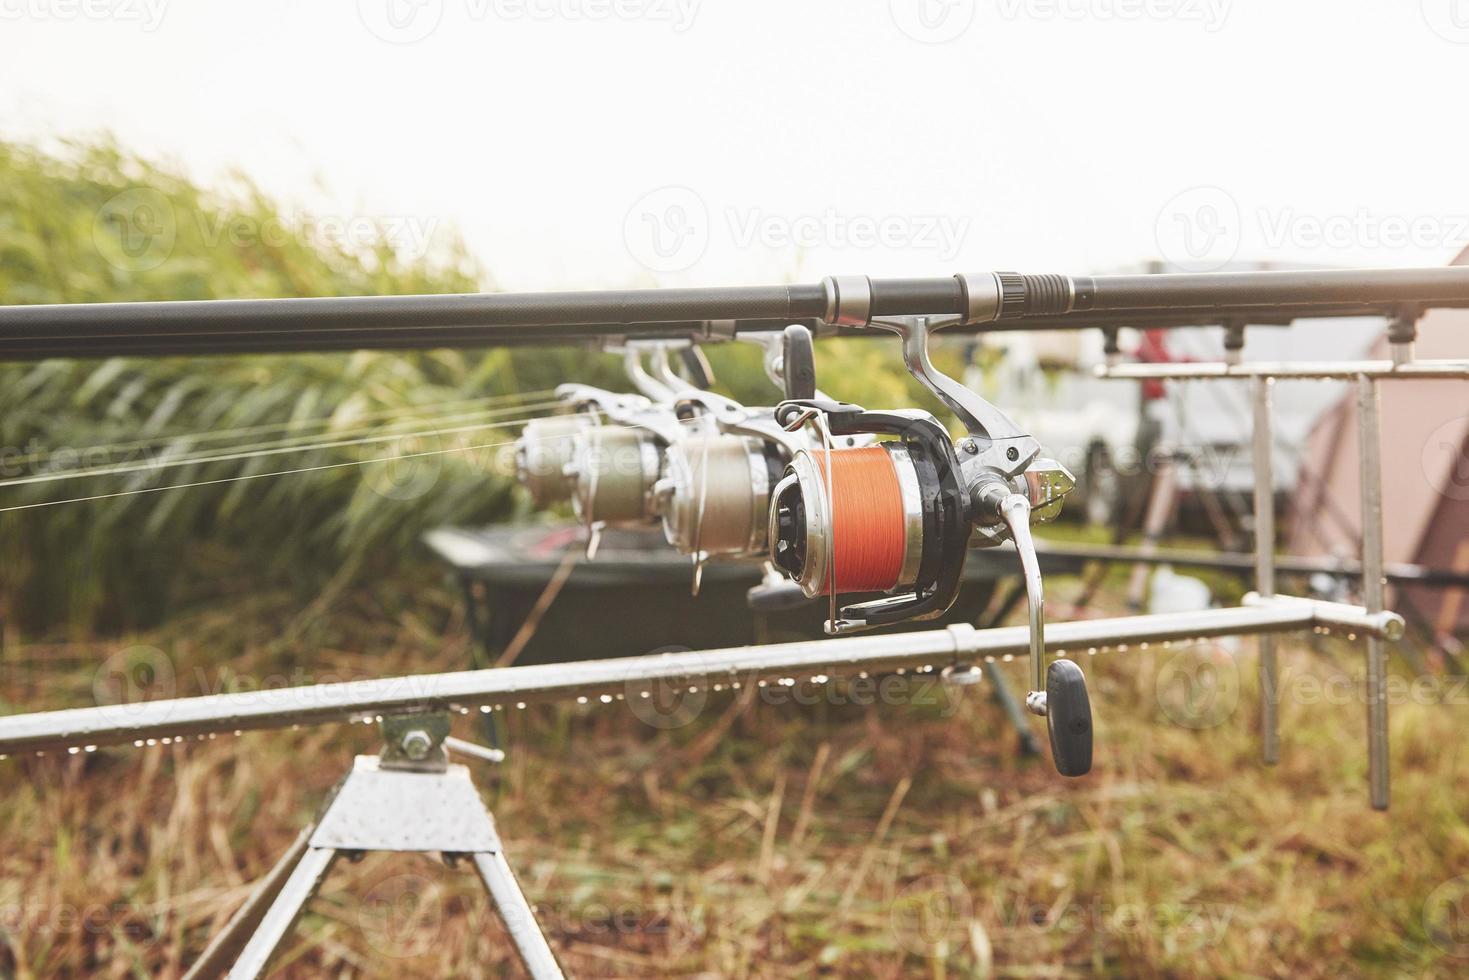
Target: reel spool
[(613, 470), (888, 518), (542, 454), (715, 494)]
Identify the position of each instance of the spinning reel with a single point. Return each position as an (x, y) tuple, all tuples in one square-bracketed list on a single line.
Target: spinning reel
[(898, 518), (699, 463)]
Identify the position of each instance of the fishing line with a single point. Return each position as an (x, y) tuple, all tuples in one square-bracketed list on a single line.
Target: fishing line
[(867, 518), (253, 476), (212, 435), (272, 449)]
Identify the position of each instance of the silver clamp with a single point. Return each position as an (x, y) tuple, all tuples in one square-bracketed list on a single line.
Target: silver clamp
[(981, 296), (848, 300)]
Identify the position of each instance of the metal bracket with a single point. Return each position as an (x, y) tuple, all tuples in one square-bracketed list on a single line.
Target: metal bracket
[(381, 809), (1000, 444), (415, 743)]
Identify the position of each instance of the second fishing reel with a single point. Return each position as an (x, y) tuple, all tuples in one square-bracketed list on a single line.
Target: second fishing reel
[(678, 454)]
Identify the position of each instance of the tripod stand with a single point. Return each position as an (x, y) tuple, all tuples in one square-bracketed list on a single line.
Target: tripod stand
[(407, 799)]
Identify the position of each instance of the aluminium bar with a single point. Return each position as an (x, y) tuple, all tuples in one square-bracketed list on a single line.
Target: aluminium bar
[(1369, 435), (627, 677), (280, 919), (227, 943), (1318, 370), (1335, 615), (1262, 445), (1057, 558)]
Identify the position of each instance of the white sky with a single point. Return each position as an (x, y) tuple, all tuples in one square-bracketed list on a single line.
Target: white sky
[(1044, 135)]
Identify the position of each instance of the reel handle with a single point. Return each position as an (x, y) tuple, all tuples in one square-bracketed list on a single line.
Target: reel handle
[(1058, 692)]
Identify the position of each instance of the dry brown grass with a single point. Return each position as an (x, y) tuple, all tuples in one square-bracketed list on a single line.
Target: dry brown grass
[(758, 840)]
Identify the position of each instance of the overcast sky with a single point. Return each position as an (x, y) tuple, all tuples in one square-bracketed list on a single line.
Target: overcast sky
[(607, 142)]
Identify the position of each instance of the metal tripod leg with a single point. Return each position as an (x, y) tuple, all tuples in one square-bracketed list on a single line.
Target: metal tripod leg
[(305, 879), (517, 915), (407, 800), (225, 947)]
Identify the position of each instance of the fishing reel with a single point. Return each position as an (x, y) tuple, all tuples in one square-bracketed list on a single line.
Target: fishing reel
[(898, 518), (699, 463)]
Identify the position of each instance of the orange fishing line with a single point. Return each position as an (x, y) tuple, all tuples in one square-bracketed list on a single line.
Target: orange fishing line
[(868, 530)]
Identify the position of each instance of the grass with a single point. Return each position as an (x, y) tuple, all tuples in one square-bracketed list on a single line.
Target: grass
[(758, 840)]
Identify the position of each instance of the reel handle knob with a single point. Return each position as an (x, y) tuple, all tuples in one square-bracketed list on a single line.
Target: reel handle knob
[(1069, 718)]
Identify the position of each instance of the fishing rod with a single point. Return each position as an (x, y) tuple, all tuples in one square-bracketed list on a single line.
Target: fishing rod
[(837, 304)]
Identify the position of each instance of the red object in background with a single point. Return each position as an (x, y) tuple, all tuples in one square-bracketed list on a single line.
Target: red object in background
[(1154, 350)]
